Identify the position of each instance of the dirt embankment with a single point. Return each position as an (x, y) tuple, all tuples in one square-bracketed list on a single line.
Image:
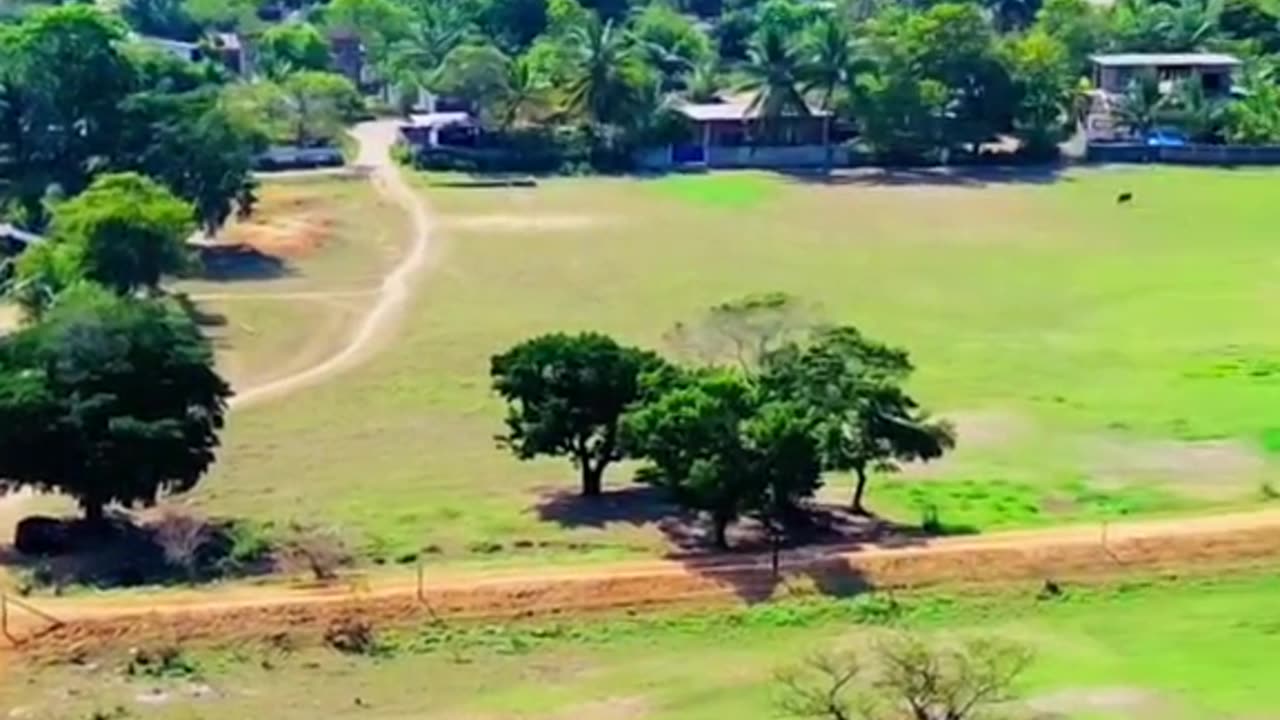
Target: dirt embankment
[(1078, 555)]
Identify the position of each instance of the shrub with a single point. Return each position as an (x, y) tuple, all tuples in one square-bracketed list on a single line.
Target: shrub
[(352, 635), (163, 661), (322, 551), (181, 536)]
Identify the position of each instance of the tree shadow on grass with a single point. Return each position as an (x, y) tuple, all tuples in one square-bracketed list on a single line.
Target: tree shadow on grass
[(975, 177), (239, 262), (812, 554), (125, 554), (636, 505)]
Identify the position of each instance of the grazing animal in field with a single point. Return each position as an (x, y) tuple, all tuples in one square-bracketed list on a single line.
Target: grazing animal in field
[(1124, 197)]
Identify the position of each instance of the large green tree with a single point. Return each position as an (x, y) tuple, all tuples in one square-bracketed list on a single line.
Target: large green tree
[(482, 74), (64, 78), (853, 386), (610, 77), (1044, 84), (716, 444), (193, 145), (292, 47), (672, 42), (304, 108), (163, 18), (566, 395), (108, 400), (126, 232), (775, 71)]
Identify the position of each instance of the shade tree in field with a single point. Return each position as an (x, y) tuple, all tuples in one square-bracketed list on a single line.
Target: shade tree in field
[(749, 432), (906, 676), (108, 400), (566, 395), (853, 386), (717, 445)]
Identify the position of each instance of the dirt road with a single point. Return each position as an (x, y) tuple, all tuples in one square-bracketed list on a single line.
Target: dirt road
[(376, 139), (1192, 545)]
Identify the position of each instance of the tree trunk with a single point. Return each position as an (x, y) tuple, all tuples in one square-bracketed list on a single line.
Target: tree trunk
[(859, 489), (720, 528), (94, 512), (592, 476)]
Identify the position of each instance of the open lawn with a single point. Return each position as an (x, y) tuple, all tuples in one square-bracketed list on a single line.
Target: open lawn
[(1098, 360), (1176, 650), (282, 290)]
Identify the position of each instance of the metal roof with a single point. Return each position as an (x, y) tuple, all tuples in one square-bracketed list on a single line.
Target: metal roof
[(440, 119), (728, 111), (1166, 60)]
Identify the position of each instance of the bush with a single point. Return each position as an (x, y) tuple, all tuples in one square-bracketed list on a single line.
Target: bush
[(322, 551), (351, 635), (181, 536), (530, 150), (163, 661)]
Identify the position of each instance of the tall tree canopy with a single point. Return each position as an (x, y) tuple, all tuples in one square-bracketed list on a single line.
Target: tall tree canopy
[(126, 232), (718, 446), (865, 420), (292, 47), (108, 400), (566, 395)]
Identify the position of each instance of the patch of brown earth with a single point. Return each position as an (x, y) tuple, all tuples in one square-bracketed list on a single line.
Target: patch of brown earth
[(1213, 468), (521, 223), (622, 708), (975, 429), (1129, 702), (1184, 546), (285, 224)]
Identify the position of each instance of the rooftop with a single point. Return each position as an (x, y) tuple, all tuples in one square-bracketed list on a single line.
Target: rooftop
[(440, 119), (1166, 60), (727, 111)]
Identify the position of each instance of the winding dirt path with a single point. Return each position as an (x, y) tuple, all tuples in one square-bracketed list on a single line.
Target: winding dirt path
[(376, 139)]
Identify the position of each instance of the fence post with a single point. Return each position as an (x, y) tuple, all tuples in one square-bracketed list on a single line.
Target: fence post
[(421, 596)]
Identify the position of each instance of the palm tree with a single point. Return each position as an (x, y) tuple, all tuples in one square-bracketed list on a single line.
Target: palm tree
[(775, 69), (436, 29), (526, 89), (609, 76), (829, 67), (703, 82)]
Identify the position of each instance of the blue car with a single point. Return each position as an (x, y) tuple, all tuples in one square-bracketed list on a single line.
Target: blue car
[(1166, 137)]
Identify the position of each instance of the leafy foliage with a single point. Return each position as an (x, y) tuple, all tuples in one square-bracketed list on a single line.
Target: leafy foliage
[(109, 400), (292, 47), (853, 387), (566, 395), (125, 232)]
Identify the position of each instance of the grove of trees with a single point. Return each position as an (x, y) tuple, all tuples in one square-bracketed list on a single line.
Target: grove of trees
[(747, 431), (917, 81)]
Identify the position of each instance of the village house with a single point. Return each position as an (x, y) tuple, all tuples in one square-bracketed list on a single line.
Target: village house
[(734, 133)]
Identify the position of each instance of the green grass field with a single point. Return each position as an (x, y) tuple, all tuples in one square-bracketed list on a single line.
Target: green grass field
[(1181, 650), (1099, 361)]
